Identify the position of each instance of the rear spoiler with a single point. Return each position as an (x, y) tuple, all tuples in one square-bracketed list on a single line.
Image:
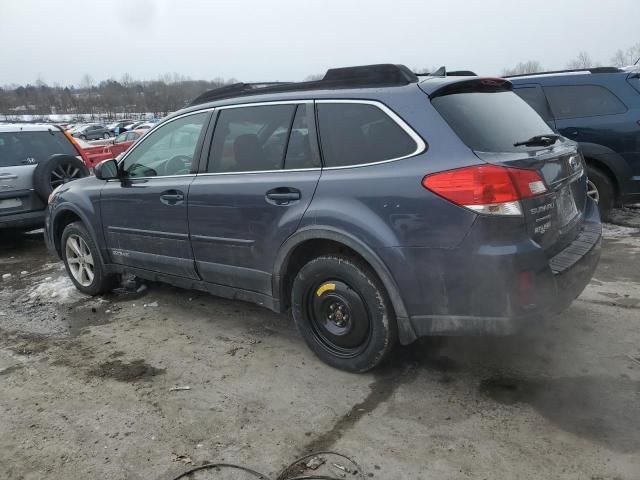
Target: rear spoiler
[(481, 84)]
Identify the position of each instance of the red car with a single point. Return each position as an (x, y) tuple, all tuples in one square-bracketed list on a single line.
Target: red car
[(94, 154), (123, 141)]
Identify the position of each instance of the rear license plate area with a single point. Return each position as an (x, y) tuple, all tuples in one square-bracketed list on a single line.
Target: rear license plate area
[(566, 206)]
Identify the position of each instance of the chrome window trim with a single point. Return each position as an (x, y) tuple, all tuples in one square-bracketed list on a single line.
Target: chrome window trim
[(271, 102), (145, 136), (281, 170), (421, 146)]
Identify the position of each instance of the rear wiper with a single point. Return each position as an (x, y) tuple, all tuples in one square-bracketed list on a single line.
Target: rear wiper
[(542, 140)]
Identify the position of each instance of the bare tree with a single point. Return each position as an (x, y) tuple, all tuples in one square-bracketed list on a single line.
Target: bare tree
[(583, 60), (623, 58), (530, 66), (86, 82), (314, 77)]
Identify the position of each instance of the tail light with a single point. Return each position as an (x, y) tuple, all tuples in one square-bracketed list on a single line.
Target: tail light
[(487, 189)]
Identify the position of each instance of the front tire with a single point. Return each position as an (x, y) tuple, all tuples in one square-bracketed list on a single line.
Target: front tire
[(601, 189), (343, 313), (83, 261)]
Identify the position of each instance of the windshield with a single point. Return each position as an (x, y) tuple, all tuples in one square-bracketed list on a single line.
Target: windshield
[(491, 121)]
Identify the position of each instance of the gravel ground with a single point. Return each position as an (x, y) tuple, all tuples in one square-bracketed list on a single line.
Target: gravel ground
[(88, 386)]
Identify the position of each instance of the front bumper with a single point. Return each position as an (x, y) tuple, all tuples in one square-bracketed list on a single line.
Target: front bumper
[(492, 287)]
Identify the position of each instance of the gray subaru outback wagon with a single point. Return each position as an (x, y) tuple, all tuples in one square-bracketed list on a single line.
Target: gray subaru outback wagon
[(377, 205)]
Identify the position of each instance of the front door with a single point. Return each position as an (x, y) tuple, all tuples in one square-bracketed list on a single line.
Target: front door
[(263, 169), (144, 215)]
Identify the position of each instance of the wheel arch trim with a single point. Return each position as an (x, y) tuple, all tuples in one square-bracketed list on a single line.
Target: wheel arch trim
[(281, 263)]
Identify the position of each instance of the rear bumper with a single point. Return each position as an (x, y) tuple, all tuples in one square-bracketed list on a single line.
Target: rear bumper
[(494, 288)]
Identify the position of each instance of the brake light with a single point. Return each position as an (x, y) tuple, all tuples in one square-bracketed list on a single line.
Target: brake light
[(488, 189)]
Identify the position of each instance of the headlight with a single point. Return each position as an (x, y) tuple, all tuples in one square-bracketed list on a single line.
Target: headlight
[(52, 195)]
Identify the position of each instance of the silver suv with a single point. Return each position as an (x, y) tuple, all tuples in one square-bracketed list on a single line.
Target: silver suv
[(34, 160)]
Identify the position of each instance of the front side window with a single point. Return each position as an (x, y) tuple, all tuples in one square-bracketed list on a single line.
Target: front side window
[(300, 152), (121, 138), (249, 139), (169, 150), (574, 101), (357, 133)]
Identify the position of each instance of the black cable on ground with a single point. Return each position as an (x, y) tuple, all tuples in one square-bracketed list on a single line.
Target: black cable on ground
[(355, 470)]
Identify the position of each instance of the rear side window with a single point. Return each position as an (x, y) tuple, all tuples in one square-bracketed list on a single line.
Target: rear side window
[(536, 99), (356, 133), (27, 148), (573, 101), (249, 139), (490, 121)]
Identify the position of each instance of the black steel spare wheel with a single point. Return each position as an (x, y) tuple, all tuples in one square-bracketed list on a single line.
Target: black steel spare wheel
[(343, 313), (339, 318)]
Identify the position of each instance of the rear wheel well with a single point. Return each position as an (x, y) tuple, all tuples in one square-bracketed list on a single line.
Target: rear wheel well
[(592, 162), (62, 220), (306, 252)]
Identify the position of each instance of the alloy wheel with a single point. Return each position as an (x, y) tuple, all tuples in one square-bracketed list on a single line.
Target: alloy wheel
[(64, 173), (80, 260), (592, 191)]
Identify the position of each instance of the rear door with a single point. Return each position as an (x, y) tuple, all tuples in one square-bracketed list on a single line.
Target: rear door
[(144, 214), (594, 114), (262, 171), (20, 153)]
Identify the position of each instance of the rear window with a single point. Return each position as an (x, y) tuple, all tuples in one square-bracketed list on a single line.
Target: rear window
[(573, 101), (356, 133), (491, 121), (28, 148)]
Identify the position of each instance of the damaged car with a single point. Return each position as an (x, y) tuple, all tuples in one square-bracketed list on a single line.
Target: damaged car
[(376, 205)]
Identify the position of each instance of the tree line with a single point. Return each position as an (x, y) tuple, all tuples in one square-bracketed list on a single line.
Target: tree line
[(127, 97), (621, 58), (106, 99)]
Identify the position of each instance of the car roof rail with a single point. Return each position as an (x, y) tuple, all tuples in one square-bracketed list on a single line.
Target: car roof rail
[(572, 70), (383, 74)]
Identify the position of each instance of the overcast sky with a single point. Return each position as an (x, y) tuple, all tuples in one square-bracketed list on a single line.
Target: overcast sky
[(253, 40)]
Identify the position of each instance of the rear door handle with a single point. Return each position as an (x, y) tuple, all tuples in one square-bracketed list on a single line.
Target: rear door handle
[(8, 176), (172, 197), (283, 195)]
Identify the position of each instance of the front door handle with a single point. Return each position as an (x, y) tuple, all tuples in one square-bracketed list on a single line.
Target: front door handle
[(172, 197), (283, 195)]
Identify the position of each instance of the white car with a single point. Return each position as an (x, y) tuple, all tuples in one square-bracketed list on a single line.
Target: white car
[(34, 159)]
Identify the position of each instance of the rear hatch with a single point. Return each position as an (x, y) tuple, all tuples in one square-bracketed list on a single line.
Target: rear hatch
[(20, 152), (502, 129)]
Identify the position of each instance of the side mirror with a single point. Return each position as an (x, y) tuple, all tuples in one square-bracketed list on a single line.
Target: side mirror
[(107, 170)]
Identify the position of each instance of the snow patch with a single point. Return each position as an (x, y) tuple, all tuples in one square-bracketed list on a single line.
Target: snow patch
[(610, 230), (60, 289)]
